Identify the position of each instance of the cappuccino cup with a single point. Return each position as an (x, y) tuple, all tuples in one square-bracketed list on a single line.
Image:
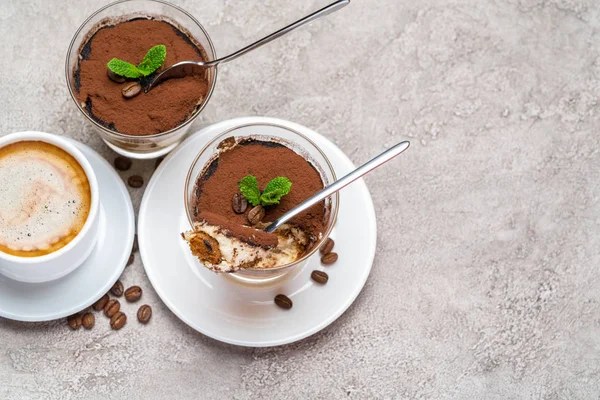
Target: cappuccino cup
[(49, 203)]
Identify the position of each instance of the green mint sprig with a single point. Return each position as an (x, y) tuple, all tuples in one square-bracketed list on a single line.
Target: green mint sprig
[(274, 191), (152, 61)]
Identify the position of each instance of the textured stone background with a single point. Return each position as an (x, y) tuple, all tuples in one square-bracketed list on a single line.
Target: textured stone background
[(485, 283)]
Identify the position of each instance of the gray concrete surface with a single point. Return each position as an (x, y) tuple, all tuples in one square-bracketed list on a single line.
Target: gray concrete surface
[(485, 283)]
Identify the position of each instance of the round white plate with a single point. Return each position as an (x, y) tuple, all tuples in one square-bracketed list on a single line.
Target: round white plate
[(216, 306), (92, 279)]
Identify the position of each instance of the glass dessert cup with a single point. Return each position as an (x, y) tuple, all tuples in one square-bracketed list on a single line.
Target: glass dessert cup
[(298, 143), (155, 145)]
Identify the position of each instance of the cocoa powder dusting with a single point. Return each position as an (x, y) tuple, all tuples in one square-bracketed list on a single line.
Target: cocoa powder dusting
[(245, 233), (161, 109), (265, 160)]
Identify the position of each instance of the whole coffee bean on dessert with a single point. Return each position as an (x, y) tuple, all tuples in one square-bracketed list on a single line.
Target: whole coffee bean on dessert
[(273, 178), (239, 203), (283, 301), (112, 307), (101, 303), (161, 109), (131, 89), (74, 321), (133, 294), (329, 258), (88, 320), (118, 320), (144, 314), (117, 289), (256, 215), (115, 77), (135, 181)]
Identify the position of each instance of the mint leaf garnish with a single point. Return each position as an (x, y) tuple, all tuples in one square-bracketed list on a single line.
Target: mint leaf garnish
[(153, 60), (275, 190), (249, 188), (123, 68)]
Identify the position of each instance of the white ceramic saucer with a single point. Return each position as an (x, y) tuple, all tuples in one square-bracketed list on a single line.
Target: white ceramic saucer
[(217, 306), (91, 280)]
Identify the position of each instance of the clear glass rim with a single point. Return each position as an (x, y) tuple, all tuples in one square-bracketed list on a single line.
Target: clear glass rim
[(156, 135), (335, 207)]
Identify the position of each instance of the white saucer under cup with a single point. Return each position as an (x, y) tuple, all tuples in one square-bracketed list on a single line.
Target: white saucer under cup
[(219, 307), (92, 279)]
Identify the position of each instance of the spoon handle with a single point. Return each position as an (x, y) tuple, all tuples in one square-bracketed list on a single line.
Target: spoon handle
[(316, 15), (340, 183)]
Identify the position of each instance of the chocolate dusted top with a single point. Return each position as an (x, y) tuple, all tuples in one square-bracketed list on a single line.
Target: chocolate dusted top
[(161, 109), (265, 160), (244, 233)]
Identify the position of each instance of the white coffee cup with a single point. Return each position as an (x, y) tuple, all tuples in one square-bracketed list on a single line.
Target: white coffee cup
[(66, 259)]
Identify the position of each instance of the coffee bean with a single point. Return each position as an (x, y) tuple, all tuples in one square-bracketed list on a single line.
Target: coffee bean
[(144, 314), (99, 305), (136, 247), (327, 246), (131, 90), (329, 258), (158, 161), (133, 294), (255, 215), (319, 277), (239, 203), (118, 321), (130, 261), (283, 301), (135, 181), (117, 289), (122, 163), (74, 321), (112, 307), (115, 77), (88, 320)]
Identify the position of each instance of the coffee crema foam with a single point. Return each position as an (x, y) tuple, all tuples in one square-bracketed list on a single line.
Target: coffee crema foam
[(45, 198)]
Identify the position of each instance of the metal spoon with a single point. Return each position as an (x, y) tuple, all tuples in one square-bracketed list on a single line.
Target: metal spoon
[(340, 183), (184, 68)]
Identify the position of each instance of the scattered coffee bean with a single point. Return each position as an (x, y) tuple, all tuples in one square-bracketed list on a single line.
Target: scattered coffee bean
[(158, 161), (133, 294), (74, 321), (130, 261), (319, 277), (136, 247), (239, 203), (118, 321), (99, 305), (256, 214), (327, 246), (329, 258), (144, 314), (122, 163), (88, 320), (131, 90), (135, 181), (112, 307), (115, 77), (117, 289), (283, 301)]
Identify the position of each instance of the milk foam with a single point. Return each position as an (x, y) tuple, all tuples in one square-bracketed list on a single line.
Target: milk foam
[(44, 198)]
